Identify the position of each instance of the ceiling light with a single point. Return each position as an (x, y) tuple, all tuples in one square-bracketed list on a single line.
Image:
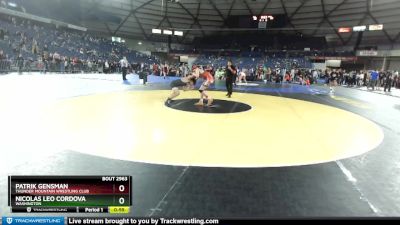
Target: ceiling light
[(178, 33), (167, 32), (156, 31), (12, 4)]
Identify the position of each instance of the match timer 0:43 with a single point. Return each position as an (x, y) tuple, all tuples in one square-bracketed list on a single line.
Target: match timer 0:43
[(77, 194)]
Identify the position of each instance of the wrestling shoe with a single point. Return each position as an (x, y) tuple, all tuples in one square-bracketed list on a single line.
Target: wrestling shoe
[(210, 101)]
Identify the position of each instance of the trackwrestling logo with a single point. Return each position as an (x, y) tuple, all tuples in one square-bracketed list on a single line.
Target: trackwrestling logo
[(33, 220)]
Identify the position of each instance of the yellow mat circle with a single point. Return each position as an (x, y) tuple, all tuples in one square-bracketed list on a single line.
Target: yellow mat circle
[(277, 131)]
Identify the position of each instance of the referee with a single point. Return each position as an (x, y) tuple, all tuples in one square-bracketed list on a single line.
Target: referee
[(230, 73), (124, 66)]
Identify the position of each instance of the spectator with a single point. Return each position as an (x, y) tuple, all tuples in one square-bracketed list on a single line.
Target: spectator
[(2, 56), (388, 82), (106, 67), (374, 79), (89, 65), (20, 63), (62, 64)]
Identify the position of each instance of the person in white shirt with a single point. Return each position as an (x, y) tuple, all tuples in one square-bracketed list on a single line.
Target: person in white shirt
[(242, 76), (315, 74), (106, 66), (359, 78), (124, 66)]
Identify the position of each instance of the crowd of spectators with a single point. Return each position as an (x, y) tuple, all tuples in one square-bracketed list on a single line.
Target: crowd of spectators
[(372, 79), (271, 66), (275, 75), (170, 69), (30, 45), (256, 64)]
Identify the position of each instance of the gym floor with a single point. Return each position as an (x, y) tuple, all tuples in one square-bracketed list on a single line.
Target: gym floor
[(272, 150)]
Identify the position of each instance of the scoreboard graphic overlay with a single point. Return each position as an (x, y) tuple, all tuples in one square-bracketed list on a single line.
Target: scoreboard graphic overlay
[(74, 194)]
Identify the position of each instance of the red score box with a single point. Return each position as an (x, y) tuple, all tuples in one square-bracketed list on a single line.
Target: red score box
[(344, 30)]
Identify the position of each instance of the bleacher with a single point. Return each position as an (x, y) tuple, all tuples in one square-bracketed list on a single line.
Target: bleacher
[(67, 43), (254, 60)]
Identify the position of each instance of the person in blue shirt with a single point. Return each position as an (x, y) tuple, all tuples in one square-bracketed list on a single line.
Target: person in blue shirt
[(374, 79)]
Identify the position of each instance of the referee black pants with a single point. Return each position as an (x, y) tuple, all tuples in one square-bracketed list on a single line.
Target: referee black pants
[(124, 70), (229, 85)]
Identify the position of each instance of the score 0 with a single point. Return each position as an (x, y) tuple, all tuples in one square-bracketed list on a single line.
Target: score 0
[(122, 199), (121, 188)]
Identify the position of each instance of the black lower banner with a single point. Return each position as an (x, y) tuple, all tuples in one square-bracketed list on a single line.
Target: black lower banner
[(163, 221), (59, 209), (137, 221)]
